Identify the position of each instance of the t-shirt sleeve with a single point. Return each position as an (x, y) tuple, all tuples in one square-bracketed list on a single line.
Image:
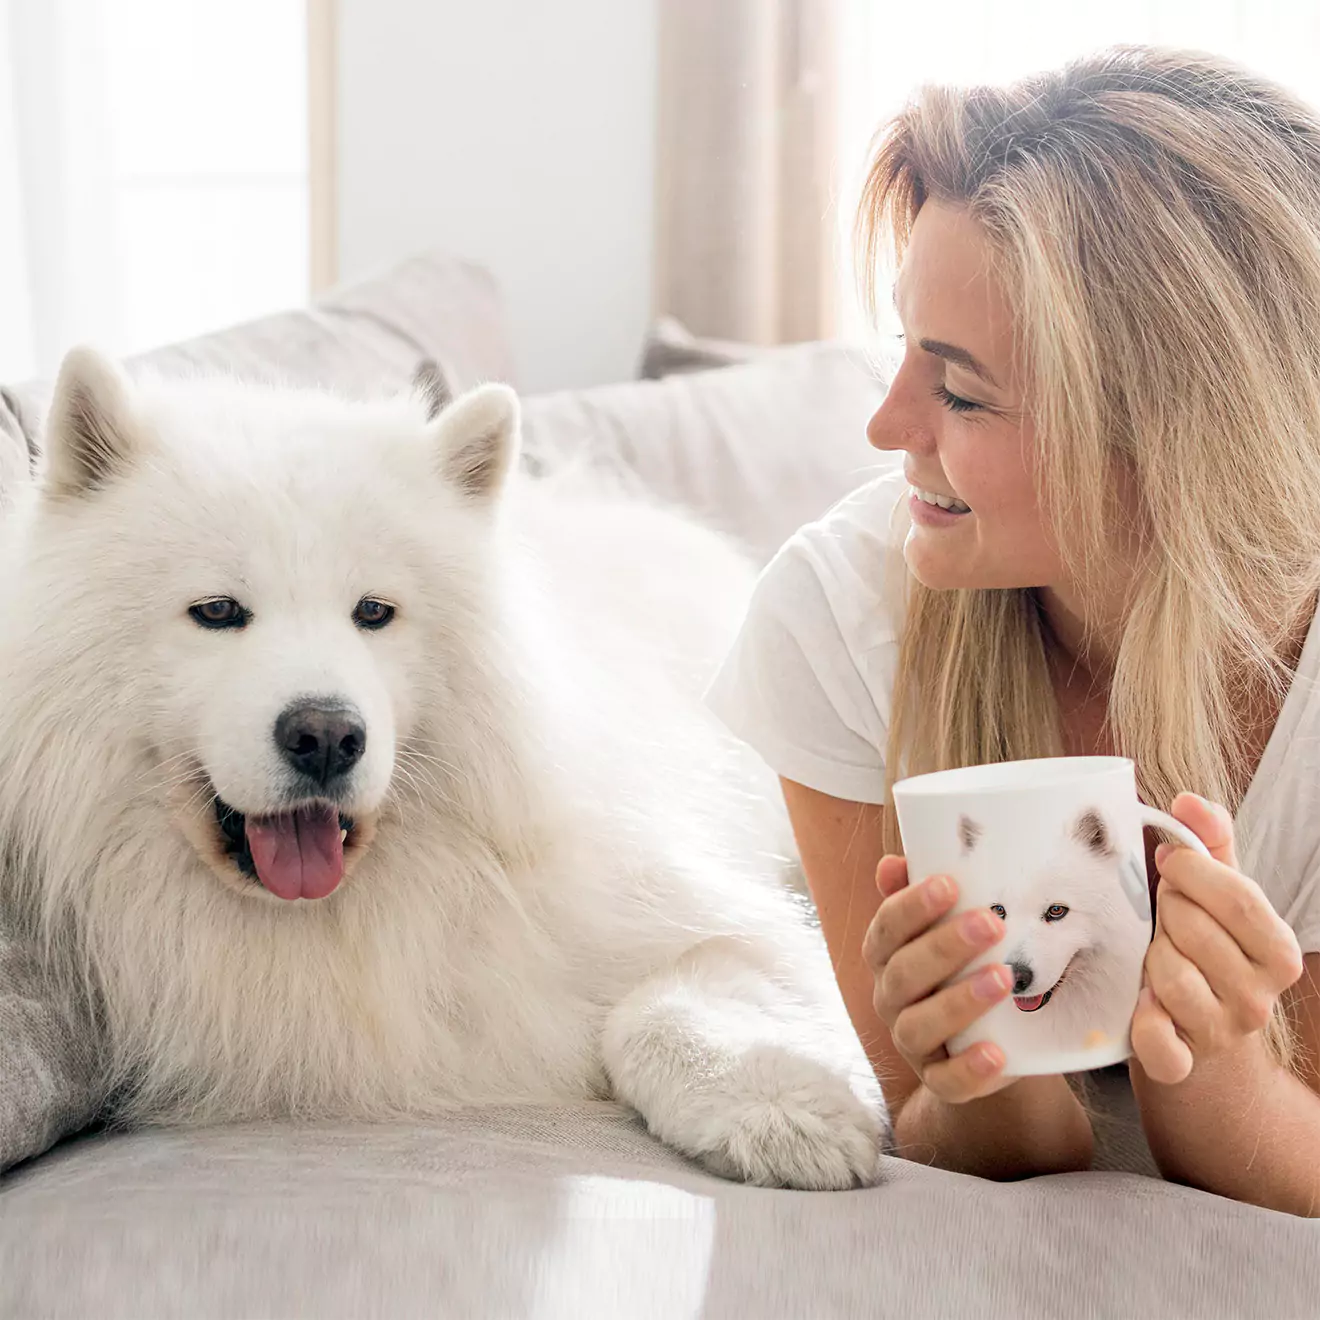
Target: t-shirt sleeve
[(790, 686), (1304, 917), (1299, 906)]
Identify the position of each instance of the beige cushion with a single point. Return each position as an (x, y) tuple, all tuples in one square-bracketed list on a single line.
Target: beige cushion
[(361, 339), (756, 449)]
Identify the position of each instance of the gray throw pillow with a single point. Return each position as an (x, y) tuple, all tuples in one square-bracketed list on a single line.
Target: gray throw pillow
[(50, 1064), (671, 348)]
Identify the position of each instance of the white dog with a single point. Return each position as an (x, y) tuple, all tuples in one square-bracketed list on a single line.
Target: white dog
[(1073, 939), (357, 777)]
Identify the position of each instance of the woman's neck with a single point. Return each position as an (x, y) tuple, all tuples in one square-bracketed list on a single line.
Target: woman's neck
[(1082, 647), (1084, 637)]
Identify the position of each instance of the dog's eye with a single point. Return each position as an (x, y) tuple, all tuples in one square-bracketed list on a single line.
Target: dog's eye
[(999, 910), (1056, 912), (222, 612), (372, 613)]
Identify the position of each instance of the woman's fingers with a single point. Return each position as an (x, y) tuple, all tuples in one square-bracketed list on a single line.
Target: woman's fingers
[(923, 1029), (914, 947), (1161, 1052), (1183, 993), (977, 1071), (891, 875), (926, 962), (904, 915)]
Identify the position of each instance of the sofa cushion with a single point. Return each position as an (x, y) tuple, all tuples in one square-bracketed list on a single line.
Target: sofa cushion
[(574, 1211), (361, 339), (756, 449)]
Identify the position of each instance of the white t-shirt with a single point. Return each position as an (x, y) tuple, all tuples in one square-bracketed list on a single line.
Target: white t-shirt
[(807, 684)]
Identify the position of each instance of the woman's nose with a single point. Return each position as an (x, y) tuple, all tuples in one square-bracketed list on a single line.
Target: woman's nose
[(900, 422)]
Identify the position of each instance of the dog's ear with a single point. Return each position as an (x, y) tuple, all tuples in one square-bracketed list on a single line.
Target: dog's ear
[(430, 385), (476, 440), (1093, 834), (968, 833), (89, 433)]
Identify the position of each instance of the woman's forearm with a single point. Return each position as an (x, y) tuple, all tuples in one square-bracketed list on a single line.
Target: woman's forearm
[(1035, 1125), (1240, 1126)]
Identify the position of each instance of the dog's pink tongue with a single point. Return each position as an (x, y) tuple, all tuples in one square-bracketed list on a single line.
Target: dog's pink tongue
[(298, 856), (1029, 1003)]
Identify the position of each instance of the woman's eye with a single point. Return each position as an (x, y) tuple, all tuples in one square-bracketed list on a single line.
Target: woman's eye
[(222, 612), (372, 613), (1056, 912), (953, 402)]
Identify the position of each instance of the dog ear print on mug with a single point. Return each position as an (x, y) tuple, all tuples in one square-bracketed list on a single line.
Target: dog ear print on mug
[(1093, 834), (968, 833)]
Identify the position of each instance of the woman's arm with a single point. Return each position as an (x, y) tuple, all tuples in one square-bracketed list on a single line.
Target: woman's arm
[(1034, 1125), (1220, 1111), (1241, 1125)]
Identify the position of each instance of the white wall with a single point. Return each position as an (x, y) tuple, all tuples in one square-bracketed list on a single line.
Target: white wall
[(519, 133)]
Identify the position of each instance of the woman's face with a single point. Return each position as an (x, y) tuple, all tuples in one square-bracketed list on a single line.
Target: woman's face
[(956, 410)]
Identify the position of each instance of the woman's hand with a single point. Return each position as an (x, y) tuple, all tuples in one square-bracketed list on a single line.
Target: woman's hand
[(911, 957), (1221, 955)]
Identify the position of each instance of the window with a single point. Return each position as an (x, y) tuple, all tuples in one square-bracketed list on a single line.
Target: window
[(155, 170)]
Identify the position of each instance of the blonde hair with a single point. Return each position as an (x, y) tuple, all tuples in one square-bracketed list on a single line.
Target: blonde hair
[(1155, 222)]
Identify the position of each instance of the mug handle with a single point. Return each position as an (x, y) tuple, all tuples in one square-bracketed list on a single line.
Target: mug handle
[(1161, 820), (1132, 872)]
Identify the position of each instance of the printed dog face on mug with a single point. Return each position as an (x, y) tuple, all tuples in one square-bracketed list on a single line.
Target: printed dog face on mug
[(1077, 921)]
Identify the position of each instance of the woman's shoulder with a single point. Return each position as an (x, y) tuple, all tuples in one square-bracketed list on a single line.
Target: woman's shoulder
[(808, 678), (853, 553)]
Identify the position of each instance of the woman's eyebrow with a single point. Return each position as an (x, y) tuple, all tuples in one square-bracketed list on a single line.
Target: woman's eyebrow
[(952, 353), (959, 357)]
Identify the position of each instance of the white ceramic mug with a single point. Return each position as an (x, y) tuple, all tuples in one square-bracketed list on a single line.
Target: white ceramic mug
[(1055, 847)]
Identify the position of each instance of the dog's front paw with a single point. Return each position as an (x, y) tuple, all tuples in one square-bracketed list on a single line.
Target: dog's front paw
[(785, 1120)]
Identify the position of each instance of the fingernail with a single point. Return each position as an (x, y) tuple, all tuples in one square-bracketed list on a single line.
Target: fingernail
[(939, 889), (981, 1060), (1161, 852), (976, 927), (991, 983)]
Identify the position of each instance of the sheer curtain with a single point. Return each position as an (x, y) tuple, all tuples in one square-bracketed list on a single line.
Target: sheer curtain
[(153, 171), (57, 217), (888, 49), (747, 129)]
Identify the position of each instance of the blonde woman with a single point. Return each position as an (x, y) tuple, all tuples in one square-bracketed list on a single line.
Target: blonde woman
[(1104, 538)]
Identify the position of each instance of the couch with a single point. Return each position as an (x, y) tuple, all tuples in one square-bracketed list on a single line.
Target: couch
[(571, 1211)]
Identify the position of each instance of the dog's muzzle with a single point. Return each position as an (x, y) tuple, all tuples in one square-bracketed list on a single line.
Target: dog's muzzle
[(296, 854)]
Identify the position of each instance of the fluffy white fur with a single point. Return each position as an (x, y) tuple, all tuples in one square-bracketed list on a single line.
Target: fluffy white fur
[(1071, 931), (573, 888)]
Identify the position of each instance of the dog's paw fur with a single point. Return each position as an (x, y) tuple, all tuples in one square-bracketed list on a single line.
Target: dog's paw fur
[(756, 1086), (784, 1120)]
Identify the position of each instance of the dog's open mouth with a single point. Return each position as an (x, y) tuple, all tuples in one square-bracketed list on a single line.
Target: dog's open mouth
[(297, 854), (1032, 1003)]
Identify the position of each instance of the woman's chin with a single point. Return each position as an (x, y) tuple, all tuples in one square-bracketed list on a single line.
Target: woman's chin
[(940, 564), (938, 567)]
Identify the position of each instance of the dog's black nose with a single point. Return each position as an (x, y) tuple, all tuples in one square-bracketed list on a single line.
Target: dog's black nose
[(1022, 978), (321, 740)]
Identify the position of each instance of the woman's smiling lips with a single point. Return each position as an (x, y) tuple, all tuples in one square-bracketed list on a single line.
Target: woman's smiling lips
[(928, 508)]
